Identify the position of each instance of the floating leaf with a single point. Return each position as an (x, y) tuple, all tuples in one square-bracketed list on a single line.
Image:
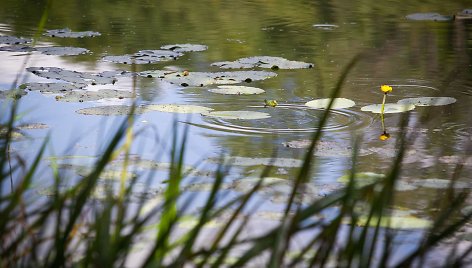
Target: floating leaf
[(110, 110), (185, 47), (389, 108), (361, 178), (238, 115), (440, 184), (17, 48), (12, 94), (273, 63), (396, 222), (33, 126), (13, 40), (51, 87), (200, 79), (80, 78), (339, 103), (63, 51), (428, 101), (177, 108), (81, 96), (325, 26), (465, 14), (429, 16), (255, 161), (237, 90), (144, 57), (67, 33)]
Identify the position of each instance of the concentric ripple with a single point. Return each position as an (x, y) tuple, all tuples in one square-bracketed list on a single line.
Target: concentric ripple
[(287, 119)]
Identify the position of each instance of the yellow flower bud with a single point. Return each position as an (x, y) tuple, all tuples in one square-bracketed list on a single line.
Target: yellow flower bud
[(271, 103), (386, 89)]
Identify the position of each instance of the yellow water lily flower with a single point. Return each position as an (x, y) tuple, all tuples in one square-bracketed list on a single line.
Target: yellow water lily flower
[(386, 89), (385, 136), (271, 103)]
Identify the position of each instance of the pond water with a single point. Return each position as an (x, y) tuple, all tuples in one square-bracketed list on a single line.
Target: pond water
[(417, 56)]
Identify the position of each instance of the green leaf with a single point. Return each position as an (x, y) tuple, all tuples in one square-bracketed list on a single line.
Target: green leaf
[(338, 103), (390, 108), (428, 101)]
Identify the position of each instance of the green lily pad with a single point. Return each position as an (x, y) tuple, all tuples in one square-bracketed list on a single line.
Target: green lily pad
[(396, 222), (33, 126), (390, 108), (53, 88), (237, 115), (63, 51), (68, 33), (200, 79), (440, 184), (177, 108), (325, 26), (15, 135), (339, 103), (17, 48), (185, 47), (273, 63), (361, 178), (428, 17), (144, 57), (237, 90), (12, 94), (255, 161), (428, 101), (80, 78), (13, 40), (81, 96), (110, 110), (465, 14)]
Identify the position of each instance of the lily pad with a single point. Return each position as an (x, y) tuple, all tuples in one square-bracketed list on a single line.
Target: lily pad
[(325, 26), (273, 63), (429, 17), (13, 40), (237, 90), (362, 178), (255, 161), (177, 108), (12, 94), (396, 222), (68, 33), (185, 47), (339, 103), (53, 88), (144, 57), (237, 115), (17, 48), (81, 96), (80, 78), (428, 101), (33, 126), (390, 108), (63, 51), (465, 14), (200, 79), (440, 184), (110, 110)]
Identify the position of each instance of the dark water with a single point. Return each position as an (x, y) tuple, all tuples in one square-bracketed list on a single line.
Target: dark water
[(418, 58)]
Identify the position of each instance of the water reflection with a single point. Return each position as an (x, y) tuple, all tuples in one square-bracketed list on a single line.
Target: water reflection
[(418, 58)]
